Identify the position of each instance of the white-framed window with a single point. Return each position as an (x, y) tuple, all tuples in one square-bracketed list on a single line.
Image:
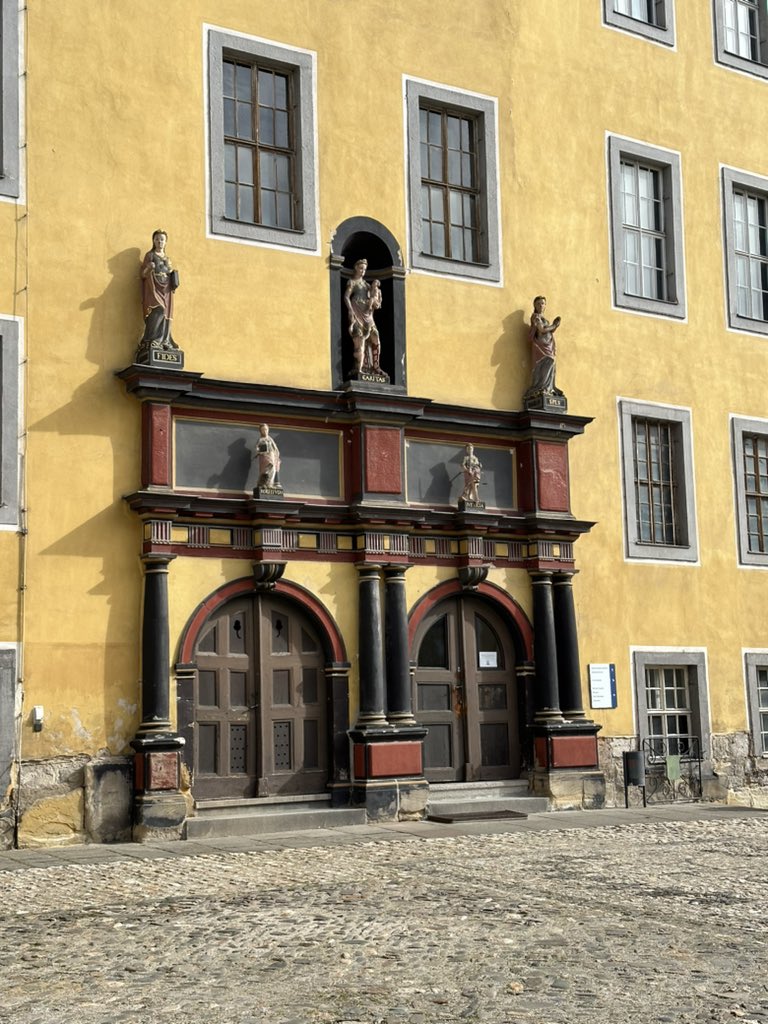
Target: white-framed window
[(657, 471), (756, 672), (672, 700), (741, 35), (453, 192), (10, 350), (646, 228), (10, 169), (261, 137), (10, 709), (652, 19), (745, 206), (750, 471)]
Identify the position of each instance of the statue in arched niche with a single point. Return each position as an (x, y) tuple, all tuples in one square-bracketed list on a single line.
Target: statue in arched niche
[(362, 299)]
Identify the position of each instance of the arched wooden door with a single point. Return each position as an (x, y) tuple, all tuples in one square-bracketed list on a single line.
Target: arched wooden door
[(466, 693), (260, 708)]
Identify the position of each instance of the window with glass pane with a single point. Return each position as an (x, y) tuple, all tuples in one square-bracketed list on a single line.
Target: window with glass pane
[(655, 485), (668, 703), (762, 703), (741, 24), (642, 10), (751, 252), (258, 145), (450, 192), (644, 234), (755, 449)]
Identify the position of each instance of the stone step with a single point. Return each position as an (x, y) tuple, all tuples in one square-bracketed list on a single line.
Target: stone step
[(263, 820), (483, 798)]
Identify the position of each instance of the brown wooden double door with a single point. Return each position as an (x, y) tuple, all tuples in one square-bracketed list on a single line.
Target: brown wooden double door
[(466, 694), (260, 718)]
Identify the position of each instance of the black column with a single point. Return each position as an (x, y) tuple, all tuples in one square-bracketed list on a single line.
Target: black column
[(371, 649), (155, 679), (568, 670), (399, 693), (547, 697)]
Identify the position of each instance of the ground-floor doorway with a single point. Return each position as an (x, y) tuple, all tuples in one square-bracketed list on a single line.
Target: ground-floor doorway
[(465, 692), (260, 709)]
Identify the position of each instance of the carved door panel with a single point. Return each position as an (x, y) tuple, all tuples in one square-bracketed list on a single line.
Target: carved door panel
[(293, 718), (225, 698), (260, 703), (439, 702), (465, 693)]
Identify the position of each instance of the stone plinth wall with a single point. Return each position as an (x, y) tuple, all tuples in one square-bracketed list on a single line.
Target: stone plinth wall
[(731, 774), (68, 800)]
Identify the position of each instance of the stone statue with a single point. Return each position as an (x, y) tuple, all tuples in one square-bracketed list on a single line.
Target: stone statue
[(268, 455), (472, 468), (543, 392), (158, 283), (361, 300)]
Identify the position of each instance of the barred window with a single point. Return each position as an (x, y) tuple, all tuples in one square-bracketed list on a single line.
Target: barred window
[(762, 705), (668, 706)]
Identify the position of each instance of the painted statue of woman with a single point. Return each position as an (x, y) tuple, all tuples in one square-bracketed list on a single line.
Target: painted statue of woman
[(543, 351), (158, 282)]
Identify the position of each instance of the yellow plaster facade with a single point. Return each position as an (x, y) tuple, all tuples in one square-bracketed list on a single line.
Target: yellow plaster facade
[(119, 148)]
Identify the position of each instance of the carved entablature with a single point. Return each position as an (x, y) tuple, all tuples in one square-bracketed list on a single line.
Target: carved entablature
[(364, 476)]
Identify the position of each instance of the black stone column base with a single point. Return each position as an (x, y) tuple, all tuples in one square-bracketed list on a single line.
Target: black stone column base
[(159, 807), (158, 816), (566, 765), (392, 799), (389, 773)]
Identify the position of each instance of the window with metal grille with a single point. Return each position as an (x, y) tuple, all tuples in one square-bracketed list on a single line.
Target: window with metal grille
[(450, 185), (258, 145), (642, 207), (655, 484), (762, 707), (755, 451), (751, 254), (668, 707)]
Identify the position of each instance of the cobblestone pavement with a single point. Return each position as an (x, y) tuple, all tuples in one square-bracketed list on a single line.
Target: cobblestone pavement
[(655, 920)]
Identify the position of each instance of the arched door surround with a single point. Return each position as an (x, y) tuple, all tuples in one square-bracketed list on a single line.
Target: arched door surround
[(468, 692), (263, 694)]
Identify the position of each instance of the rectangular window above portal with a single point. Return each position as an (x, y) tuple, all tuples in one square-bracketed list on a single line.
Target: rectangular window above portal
[(453, 188), (261, 138)]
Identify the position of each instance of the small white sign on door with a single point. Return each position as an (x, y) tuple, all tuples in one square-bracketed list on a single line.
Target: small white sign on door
[(489, 659)]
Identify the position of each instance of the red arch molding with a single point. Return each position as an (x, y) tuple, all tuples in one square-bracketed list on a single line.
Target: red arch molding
[(319, 613), (498, 597)]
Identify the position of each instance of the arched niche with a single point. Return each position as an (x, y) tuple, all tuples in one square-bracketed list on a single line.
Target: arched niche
[(364, 238)]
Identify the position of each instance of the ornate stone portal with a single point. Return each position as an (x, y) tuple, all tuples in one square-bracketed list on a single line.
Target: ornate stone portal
[(543, 393)]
